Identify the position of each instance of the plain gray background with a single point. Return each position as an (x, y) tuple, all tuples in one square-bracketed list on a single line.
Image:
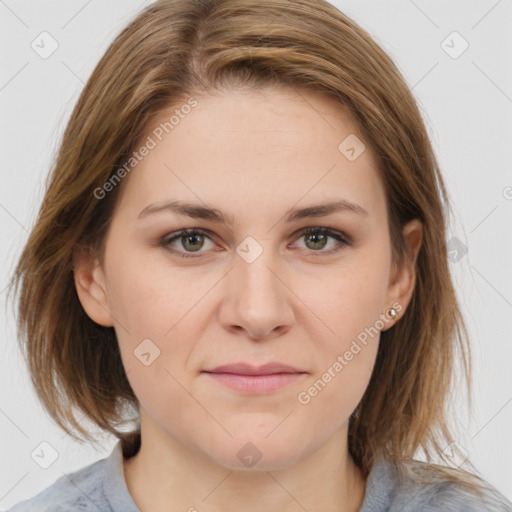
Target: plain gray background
[(466, 100)]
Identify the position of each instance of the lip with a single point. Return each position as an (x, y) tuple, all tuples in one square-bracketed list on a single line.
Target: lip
[(247, 369), (246, 378)]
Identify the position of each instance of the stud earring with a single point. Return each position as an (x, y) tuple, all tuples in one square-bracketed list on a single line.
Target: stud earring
[(393, 313)]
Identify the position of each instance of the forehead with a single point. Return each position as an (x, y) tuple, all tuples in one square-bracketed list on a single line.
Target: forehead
[(259, 149)]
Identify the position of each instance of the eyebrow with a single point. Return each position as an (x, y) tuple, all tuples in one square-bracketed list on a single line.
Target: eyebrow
[(197, 211)]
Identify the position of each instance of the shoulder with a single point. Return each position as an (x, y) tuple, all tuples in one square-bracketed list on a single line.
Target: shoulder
[(80, 490), (416, 486)]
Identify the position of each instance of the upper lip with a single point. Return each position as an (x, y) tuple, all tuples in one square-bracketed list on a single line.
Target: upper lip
[(247, 369)]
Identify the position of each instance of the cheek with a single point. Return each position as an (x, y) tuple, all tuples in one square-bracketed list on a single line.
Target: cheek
[(153, 307), (345, 346), (345, 300), (348, 305), (150, 299)]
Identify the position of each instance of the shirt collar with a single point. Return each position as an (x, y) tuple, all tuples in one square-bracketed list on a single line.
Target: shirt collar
[(114, 483)]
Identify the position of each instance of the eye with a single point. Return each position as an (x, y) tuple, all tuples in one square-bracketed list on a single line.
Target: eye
[(188, 243), (189, 239), (317, 239)]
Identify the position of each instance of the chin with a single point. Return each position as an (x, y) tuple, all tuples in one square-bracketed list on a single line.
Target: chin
[(257, 454)]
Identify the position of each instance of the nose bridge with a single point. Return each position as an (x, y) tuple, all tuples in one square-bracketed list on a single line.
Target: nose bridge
[(257, 299), (255, 270)]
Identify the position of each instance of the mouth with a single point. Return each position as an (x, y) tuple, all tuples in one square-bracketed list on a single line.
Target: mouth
[(250, 379), (248, 369)]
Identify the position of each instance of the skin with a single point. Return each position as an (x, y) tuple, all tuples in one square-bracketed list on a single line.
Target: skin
[(253, 155)]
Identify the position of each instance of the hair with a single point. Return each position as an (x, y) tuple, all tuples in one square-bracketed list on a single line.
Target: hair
[(177, 48)]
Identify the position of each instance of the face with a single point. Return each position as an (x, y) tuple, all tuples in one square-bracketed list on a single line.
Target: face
[(254, 288)]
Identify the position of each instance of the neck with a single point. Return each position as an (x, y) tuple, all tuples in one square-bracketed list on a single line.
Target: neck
[(165, 475)]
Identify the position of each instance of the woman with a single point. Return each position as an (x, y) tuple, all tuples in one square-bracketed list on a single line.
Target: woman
[(243, 246)]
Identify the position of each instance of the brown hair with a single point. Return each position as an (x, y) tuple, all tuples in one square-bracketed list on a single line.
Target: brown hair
[(176, 48)]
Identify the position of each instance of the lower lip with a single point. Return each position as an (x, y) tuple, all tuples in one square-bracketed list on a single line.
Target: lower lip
[(255, 383)]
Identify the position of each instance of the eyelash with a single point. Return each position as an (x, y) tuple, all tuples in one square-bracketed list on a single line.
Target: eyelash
[(344, 240)]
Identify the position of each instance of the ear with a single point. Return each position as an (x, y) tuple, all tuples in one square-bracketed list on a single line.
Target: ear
[(403, 277), (91, 287)]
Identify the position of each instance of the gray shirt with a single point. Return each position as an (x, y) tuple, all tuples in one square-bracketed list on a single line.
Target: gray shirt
[(101, 487)]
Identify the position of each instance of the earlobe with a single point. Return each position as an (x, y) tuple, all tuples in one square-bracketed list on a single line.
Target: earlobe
[(90, 287)]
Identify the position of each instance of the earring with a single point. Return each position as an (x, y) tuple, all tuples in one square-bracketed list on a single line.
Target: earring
[(393, 313)]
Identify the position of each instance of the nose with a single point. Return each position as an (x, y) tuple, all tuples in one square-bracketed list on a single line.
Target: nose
[(257, 300)]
